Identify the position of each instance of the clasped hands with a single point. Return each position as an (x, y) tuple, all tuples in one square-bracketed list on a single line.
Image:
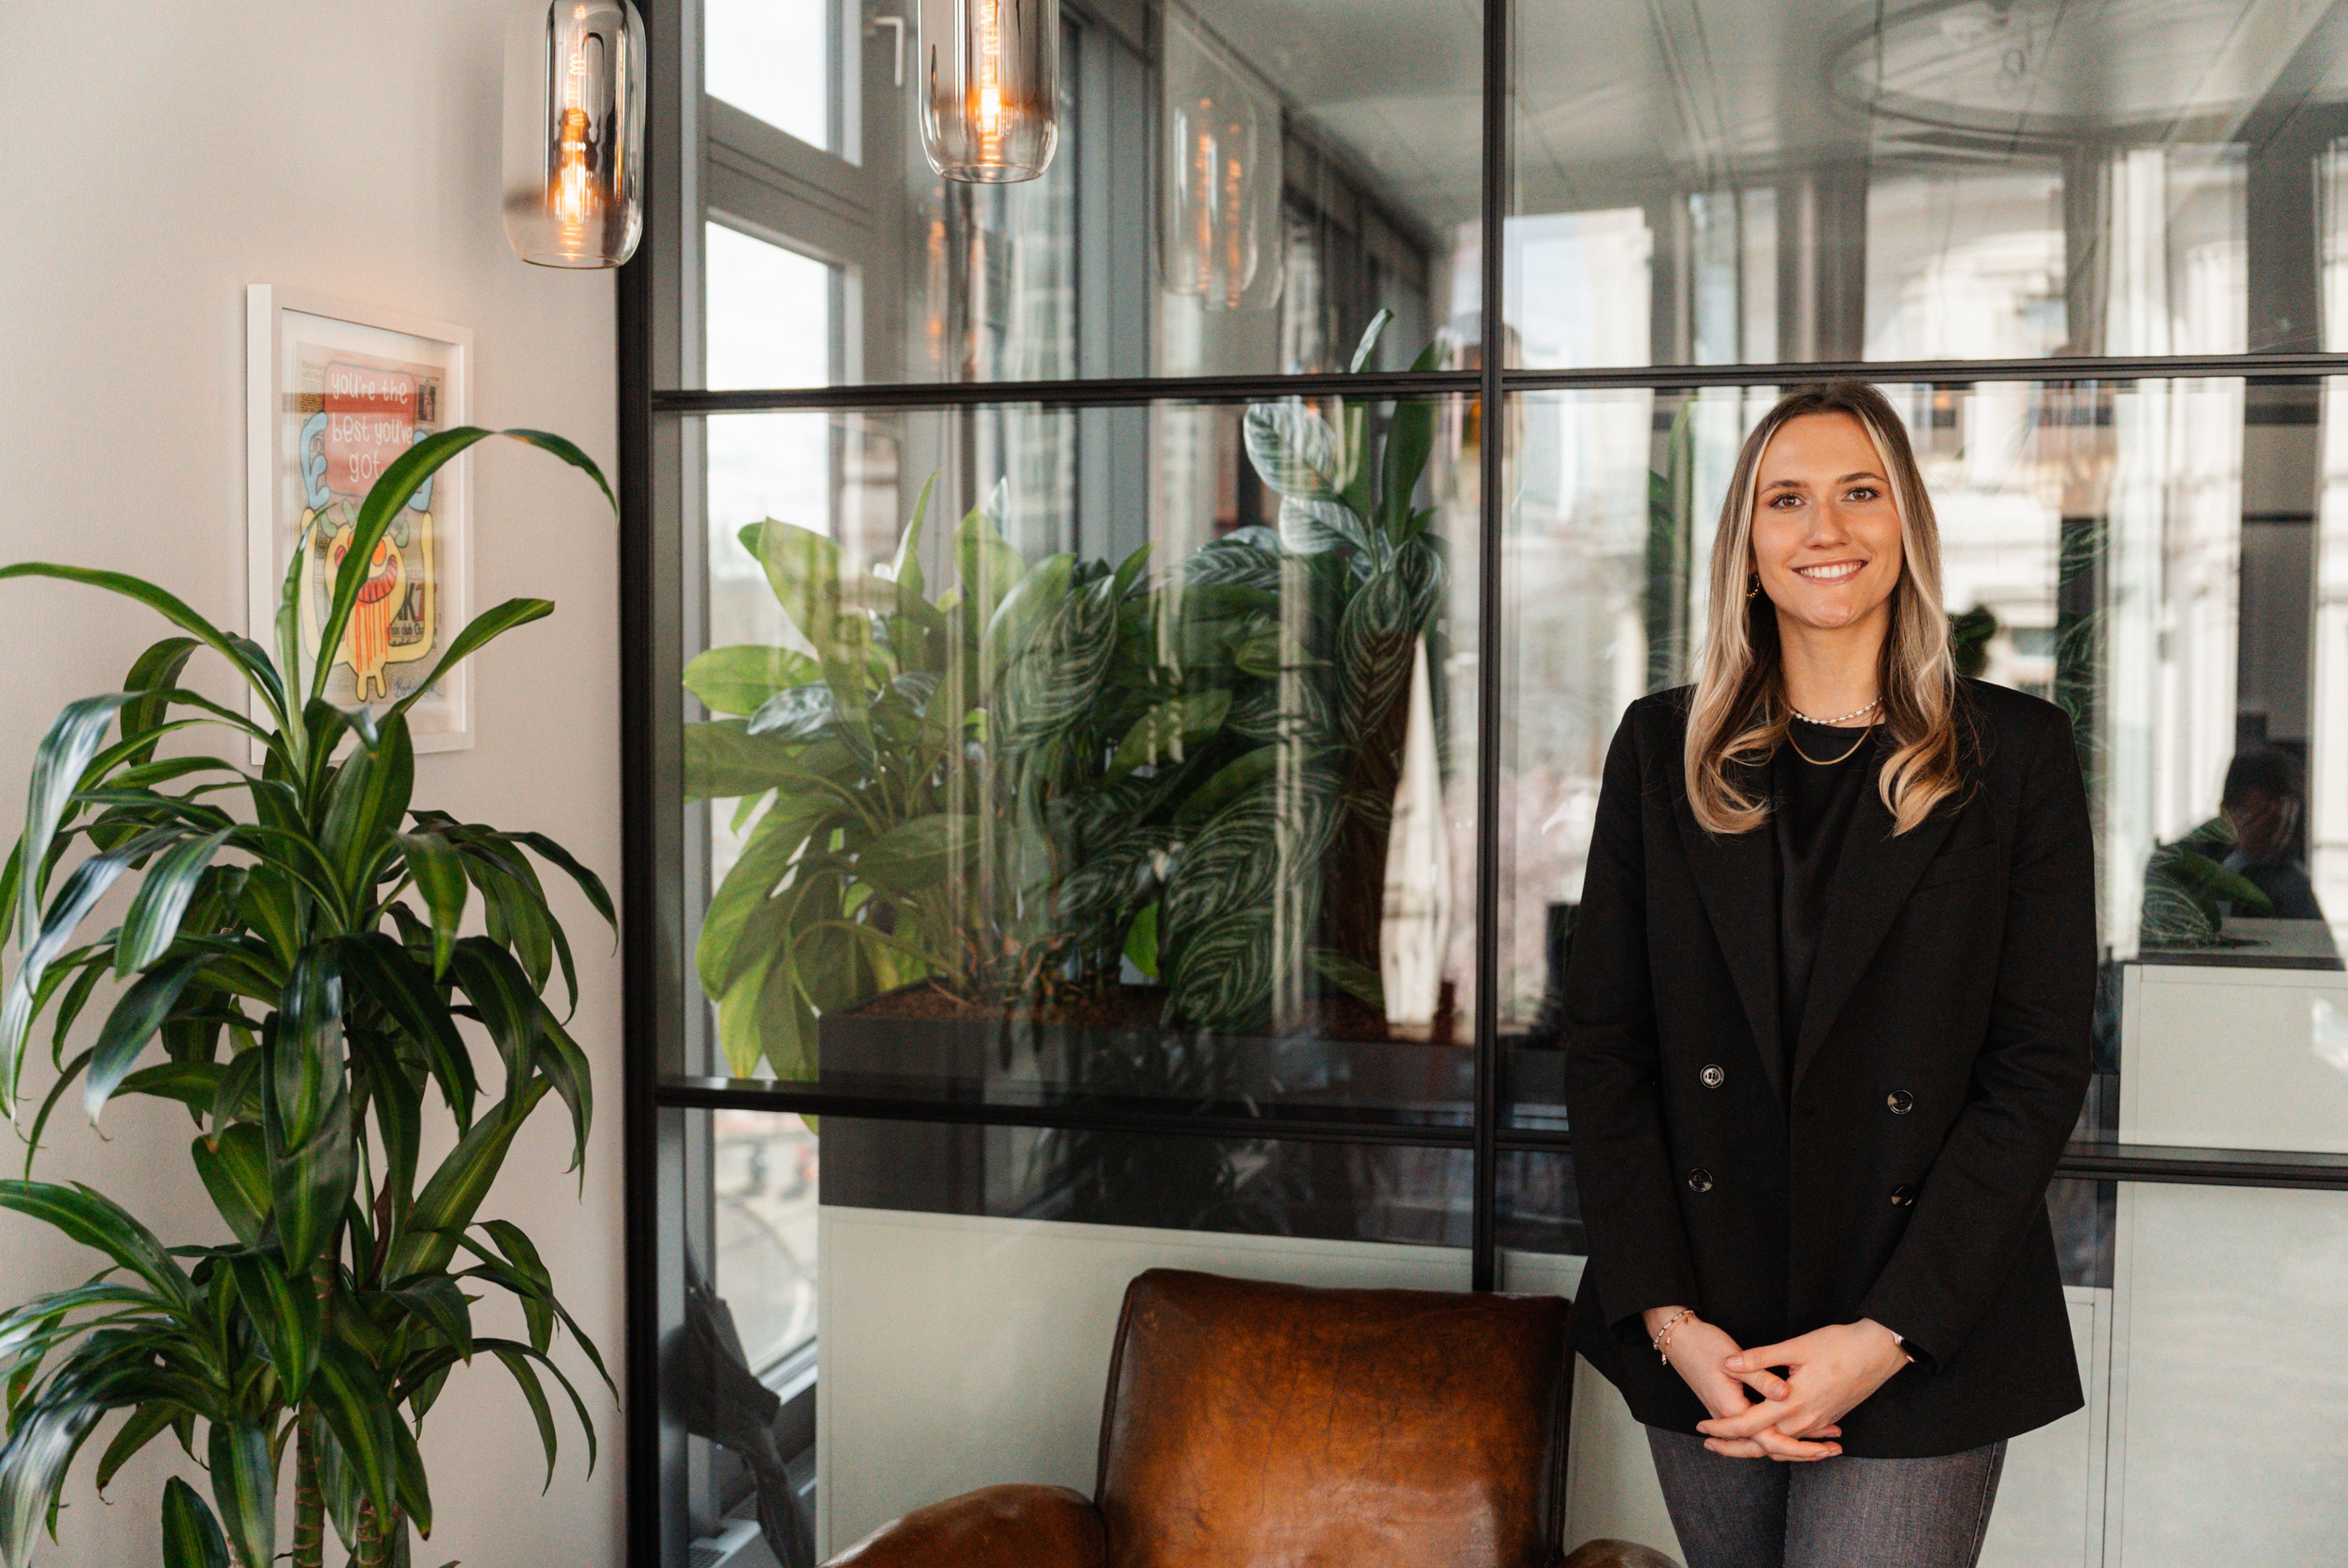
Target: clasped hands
[(1758, 1414)]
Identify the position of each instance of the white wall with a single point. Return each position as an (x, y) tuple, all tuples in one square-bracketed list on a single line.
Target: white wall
[(156, 155)]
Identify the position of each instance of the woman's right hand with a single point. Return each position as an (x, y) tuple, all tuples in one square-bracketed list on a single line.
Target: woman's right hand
[(1699, 1354)]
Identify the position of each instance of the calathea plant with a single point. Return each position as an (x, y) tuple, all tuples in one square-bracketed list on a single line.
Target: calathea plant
[(297, 979)]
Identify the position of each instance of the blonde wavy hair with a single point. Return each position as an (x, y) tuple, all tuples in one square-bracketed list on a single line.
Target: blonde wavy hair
[(1738, 715)]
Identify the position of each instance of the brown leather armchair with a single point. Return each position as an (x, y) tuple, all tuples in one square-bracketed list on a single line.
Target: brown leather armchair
[(1250, 1425)]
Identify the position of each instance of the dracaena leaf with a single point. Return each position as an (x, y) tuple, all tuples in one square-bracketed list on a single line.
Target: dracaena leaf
[(440, 881), (478, 633), (250, 661), (133, 1022), (351, 1394), (244, 1485), (153, 918), (284, 1312), (234, 1169), (191, 1536), (98, 1222)]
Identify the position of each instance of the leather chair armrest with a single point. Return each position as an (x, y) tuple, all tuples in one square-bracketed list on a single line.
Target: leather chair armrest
[(993, 1527), (1615, 1554)]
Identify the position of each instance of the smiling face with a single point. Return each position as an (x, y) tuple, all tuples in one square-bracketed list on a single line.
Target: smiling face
[(1826, 534)]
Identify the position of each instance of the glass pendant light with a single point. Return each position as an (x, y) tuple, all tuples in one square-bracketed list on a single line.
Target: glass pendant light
[(574, 132), (1219, 200), (990, 84)]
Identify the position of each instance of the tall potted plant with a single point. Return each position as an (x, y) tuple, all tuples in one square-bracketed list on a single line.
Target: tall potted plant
[(296, 970)]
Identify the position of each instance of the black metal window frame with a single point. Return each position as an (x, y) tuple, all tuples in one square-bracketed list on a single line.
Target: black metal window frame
[(653, 409)]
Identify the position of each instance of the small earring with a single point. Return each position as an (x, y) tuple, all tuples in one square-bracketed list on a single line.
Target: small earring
[(1753, 586)]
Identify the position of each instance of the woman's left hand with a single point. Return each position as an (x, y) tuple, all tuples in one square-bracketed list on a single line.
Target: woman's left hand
[(1830, 1371)]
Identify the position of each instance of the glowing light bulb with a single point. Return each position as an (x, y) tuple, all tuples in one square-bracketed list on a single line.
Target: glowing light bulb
[(989, 87), (574, 119)]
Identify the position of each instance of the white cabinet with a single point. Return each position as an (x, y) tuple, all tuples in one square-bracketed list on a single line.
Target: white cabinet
[(2222, 1056)]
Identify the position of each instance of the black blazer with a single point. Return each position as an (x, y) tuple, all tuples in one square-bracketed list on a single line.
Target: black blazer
[(1940, 1066)]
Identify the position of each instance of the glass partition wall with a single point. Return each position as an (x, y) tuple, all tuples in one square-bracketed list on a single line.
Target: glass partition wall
[(1118, 665)]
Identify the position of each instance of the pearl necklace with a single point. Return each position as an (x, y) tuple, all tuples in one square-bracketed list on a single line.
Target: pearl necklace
[(1842, 719)]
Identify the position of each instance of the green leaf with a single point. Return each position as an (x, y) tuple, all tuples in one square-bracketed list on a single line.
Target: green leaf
[(985, 565), (397, 486), (516, 1356), (309, 1183), (194, 1084), (1294, 449), (191, 1536), (565, 1066), (479, 633), (1226, 784), (153, 920), (440, 881), (350, 1394), (58, 766), (1028, 606), (905, 565), (1141, 942), (234, 1169), (591, 885), (1223, 978), (739, 679), (153, 674), (147, 1423), (244, 1485), (133, 1022), (1052, 680), (42, 1441), (915, 856), (250, 661), (503, 995), (767, 854), (1369, 343), (398, 1113), (365, 806), (449, 1199), (802, 567), (1312, 526), (414, 1486), (97, 1221), (1350, 975), (305, 1050), (284, 1312), (723, 760), (1167, 730), (440, 1301), (396, 982)]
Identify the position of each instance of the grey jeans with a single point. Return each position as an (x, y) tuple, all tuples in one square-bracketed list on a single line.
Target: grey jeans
[(1842, 1513)]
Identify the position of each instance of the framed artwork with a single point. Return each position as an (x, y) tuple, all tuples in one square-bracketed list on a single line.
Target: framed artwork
[(334, 392)]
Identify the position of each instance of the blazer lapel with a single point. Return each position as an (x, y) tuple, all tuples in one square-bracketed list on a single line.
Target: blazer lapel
[(1735, 875), (1871, 881)]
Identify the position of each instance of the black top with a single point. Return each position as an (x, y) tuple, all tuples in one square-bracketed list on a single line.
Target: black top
[(1810, 808), (1894, 1164)]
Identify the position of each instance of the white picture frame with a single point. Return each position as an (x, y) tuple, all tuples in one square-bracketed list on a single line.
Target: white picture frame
[(332, 392)]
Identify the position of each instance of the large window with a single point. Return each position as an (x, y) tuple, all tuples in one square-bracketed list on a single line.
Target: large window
[(1121, 664)]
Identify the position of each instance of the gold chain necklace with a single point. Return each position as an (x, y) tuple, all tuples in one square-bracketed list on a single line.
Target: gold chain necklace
[(1829, 762)]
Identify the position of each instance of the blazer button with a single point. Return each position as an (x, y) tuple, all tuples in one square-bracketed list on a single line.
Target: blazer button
[(1699, 1179), (1900, 1101), (1712, 1077), (1903, 1195)]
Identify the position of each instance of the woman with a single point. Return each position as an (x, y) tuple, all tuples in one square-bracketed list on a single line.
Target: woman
[(1827, 1023)]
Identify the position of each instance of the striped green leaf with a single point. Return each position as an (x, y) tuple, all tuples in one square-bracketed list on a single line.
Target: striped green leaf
[(349, 1392), (365, 805), (802, 568), (41, 1443), (148, 1422), (250, 661), (478, 633), (1224, 978), (191, 1536), (97, 1221), (440, 882), (244, 1486), (453, 1195), (398, 984), (234, 1169), (153, 918), (284, 1313), (516, 1357), (139, 1012), (310, 1181), (1292, 449)]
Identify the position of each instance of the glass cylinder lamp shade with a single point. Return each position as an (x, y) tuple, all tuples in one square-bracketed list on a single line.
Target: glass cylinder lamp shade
[(990, 86), (574, 132), (1219, 197)]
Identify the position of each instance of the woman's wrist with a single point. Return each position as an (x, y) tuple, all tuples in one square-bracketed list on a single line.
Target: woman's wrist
[(1655, 1317)]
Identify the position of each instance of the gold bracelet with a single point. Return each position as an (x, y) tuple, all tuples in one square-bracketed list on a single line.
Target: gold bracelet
[(1663, 1335)]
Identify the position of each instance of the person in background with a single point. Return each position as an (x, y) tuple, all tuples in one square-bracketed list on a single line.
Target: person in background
[(2264, 803)]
